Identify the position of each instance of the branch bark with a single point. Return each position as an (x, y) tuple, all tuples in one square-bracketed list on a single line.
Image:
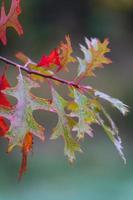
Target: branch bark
[(52, 77)]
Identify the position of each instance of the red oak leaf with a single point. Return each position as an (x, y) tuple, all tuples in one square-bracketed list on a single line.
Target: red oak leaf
[(26, 148), (3, 127), (3, 85), (10, 20), (59, 57), (51, 60), (4, 102)]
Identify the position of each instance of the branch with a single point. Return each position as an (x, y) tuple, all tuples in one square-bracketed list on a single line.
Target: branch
[(52, 77)]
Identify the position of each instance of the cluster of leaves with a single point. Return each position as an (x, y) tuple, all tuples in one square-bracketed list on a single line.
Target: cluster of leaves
[(75, 116)]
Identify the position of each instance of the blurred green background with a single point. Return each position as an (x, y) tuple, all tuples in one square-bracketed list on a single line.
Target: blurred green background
[(99, 173)]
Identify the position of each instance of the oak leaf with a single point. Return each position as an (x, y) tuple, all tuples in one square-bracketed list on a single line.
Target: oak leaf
[(20, 115), (51, 60), (80, 109), (64, 127), (60, 57), (90, 111), (94, 57), (3, 102), (65, 50), (10, 20)]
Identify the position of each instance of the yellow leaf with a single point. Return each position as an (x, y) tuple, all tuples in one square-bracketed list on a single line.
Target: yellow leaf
[(65, 51), (97, 50), (94, 57)]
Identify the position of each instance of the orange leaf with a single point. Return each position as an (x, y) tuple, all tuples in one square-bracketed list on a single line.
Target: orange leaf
[(26, 148), (10, 20), (65, 51), (22, 57)]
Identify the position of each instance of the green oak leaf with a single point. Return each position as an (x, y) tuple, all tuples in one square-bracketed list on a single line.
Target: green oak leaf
[(80, 109), (64, 127), (20, 116), (89, 111)]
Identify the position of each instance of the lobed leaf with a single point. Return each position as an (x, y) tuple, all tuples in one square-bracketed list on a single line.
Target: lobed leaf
[(65, 50), (123, 108), (89, 111), (59, 57), (111, 130), (84, 114), (20, 115), (50, 61), (3, 102), (64, 127), (10, 20), (94, 57)]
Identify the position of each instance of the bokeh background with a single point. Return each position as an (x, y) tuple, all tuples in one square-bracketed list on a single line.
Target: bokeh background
[(98, 173)]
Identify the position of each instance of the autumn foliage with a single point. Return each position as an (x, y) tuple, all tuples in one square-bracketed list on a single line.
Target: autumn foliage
[(76, 115), (10, 20), (3, 102)]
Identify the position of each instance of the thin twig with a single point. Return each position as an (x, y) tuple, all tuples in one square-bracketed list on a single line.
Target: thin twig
[(52, 77)]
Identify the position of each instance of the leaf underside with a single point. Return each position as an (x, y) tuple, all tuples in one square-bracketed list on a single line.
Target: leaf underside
[(64, 127), (90, 111), (20, 115)]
